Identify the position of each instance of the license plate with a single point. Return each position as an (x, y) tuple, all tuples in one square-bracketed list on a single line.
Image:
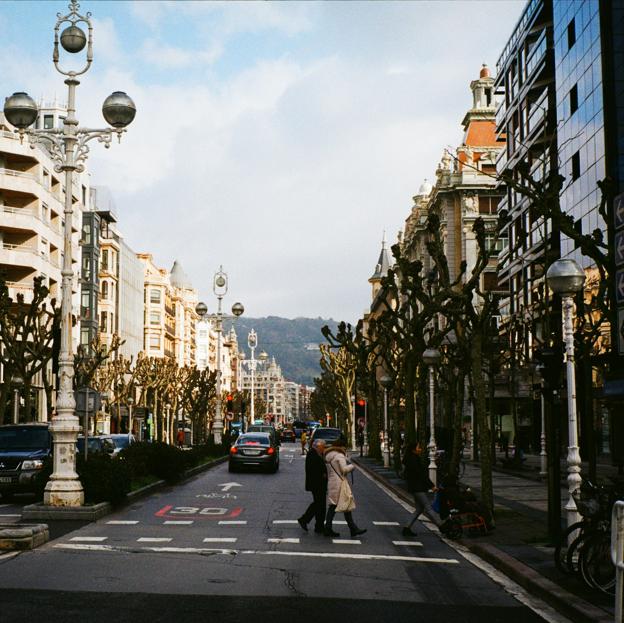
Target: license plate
[(6, 479), (252, 452)]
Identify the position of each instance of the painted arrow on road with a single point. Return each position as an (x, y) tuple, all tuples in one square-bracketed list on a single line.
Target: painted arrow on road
[(228, 485)]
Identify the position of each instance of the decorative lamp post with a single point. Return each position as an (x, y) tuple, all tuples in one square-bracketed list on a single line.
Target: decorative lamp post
[(220, 288), (17, 381), (69, 148), (252, 342), (566, 278), (386, 383), (130, 403), (263, 357), (432, 357)]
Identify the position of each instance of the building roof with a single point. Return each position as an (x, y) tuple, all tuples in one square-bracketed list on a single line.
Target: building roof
[(481, 133), (383, 263), (178, 277)]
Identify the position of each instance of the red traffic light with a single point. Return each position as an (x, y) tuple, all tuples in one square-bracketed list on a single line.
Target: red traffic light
[(230, 398), (361, 402)]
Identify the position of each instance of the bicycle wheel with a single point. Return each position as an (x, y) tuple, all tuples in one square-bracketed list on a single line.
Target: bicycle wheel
[(563, 548), (595, 565)]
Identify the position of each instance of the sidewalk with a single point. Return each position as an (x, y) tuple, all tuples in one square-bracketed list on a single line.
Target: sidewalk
[(518, 546)]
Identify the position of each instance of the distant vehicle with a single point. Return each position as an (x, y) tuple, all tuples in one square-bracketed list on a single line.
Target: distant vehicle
[(299, 426), (313, 424), (23, 450), (254, 450), (265, 428), (100, 443), (288, 435), (330, 435), (121, 441)]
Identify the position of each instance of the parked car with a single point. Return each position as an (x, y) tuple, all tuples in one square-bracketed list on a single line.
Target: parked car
[(99, 443), (265, 428), (121, 441), (23, 450), (288, 435), (255, 450), (329, 434)]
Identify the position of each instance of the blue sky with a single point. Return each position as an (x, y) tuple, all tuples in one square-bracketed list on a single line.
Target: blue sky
[(276, 138)]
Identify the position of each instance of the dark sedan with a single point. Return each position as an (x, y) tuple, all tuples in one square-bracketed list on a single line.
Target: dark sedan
[(288, 435), (256, 451), (327, 433)]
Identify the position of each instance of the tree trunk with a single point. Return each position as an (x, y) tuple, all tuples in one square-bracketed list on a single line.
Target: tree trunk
[(410, 405), (374, 447), (481, 416), (456, 413), (421, 408)]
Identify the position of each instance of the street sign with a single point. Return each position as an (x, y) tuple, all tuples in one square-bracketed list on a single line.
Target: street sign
[(618, 211), (619, 248), (620, 332), (619, 286)]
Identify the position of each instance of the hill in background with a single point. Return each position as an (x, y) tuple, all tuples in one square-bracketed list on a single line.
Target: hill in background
[(293, 343)]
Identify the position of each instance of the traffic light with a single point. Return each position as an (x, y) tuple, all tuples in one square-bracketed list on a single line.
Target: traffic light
[(229, 401)]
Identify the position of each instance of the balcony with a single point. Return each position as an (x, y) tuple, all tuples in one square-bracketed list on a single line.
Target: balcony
[(18, 288), (536, 58)]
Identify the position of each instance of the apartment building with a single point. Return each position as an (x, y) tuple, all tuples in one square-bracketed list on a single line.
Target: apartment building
[(184, 300)]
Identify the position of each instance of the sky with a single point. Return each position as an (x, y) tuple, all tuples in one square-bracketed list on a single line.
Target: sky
[(278, 139)]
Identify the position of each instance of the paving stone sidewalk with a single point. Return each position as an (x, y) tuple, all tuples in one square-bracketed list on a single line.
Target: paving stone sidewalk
[(519, 546)]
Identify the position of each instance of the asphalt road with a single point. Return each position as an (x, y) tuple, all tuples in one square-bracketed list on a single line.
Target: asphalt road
[(228, 545)]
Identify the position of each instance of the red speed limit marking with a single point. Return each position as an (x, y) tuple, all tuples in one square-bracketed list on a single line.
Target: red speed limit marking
[(198, 512)]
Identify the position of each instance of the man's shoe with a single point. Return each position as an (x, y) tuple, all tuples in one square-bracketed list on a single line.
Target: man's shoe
[(328, 532), (319, 530), (407, 531), (302, 524), (357, 532)]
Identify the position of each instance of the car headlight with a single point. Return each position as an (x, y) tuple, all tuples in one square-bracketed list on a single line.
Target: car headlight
[(36, 464)]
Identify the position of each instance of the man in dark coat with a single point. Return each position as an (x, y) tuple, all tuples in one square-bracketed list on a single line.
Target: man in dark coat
[(316, 483)]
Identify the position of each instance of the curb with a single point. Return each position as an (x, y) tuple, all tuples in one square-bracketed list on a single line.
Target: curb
[(88, 512), (23, 536), (566, 603)]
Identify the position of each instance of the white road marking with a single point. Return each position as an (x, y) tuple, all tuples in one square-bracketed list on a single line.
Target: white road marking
[(340, 523), (251, 552), (9, 555), (153, 539), (408, 543), (225, 539), (178, 523), (232, 522), (386, 523), (121, 522), (282, 540), (284, 521), (92, 539), (11, 515), (4, 505), (347, 541)]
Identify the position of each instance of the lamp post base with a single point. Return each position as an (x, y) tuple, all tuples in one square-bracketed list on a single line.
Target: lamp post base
[(63, 492), (386, 454)]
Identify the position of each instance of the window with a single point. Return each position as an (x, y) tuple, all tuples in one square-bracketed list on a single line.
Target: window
[(48, 122), (154, 317), (45, 213), (60, 122), (576, 166), (154, 341), (104, 290), (85, 305), (573, 99), (104, 261), (104, 322), (155, 296), (84, 337), (488, 97), (86, 267), (571, 34), (86, 233)]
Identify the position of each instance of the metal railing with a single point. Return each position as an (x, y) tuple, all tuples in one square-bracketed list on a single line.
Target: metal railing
[(617, 556)]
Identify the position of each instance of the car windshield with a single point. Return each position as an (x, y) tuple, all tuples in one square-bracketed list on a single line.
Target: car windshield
[(24, 438), (95, 444), (326, 433), (253, 440), (121, 441)]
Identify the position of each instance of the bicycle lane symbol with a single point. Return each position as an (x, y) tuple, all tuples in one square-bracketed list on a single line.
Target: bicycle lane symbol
[(197, 512)]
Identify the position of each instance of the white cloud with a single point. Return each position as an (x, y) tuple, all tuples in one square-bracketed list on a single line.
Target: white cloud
[(163, 56)]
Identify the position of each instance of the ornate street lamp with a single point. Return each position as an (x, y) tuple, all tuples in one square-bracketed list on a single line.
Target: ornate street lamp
[(219, 287), (432, 357), (17, 381), (386, 383), (69, 148), (566, 278), (252, 342)]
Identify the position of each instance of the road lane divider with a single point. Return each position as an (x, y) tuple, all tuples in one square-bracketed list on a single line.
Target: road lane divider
[(92, 539), (154, 539), (346, 542), (282, 540), (177, 522), (408, 543), (122, 522), (285, 521), (221, 539), (386, 523), (232, 522)]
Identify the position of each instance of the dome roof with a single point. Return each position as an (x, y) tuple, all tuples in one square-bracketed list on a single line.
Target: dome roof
[(485, 71), (178, 278), (425, 188)]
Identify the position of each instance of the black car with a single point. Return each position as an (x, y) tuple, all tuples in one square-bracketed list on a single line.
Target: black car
[(254, 450), (96, 444), (265, 428), (288, 435), (328, 434), (23, 450)]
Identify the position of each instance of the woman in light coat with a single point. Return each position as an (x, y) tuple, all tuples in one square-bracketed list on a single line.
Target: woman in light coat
[(337, 469)]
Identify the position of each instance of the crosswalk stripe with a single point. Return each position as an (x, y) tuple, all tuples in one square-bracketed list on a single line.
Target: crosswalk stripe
[(120, 522), (11, 515), (92, 539), (408, 543), (225, 539), (230, 522), (155, 539), (385, 523), (347, 541), (178, 523), (340, 523), (284, 521), (282, 540)]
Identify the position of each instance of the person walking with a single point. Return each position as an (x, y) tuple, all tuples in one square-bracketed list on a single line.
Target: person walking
[(304, 439), (418, 484), (315, 483), (337, 469)]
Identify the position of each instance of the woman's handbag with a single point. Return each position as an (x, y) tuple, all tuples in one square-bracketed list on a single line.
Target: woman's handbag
[(346, 501)]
